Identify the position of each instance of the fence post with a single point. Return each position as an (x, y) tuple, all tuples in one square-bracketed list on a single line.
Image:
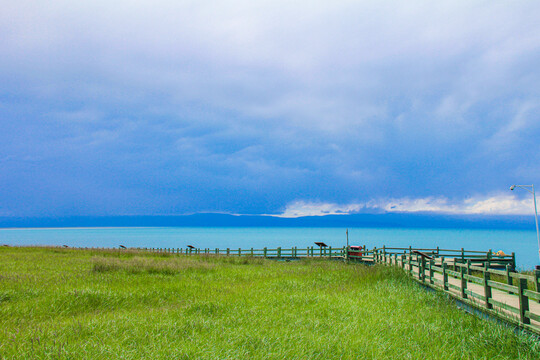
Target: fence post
[(523, 301), (513, 261), (279, 252), (384, 253), (442, 260), (508, 277), (228, 251), (536, 277), (395, 259), (487, 288), (488, 258), (444, 276), (420, 270), (410, 259), (363, 253), (463, 286), (329, 251), (431, 272), (265, 252), (239, 252), (403, 261)]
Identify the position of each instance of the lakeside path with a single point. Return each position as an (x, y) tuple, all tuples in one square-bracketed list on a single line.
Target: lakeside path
[(498, 295)]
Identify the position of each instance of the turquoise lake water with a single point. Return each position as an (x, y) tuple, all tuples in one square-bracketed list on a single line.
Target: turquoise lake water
[(523, 243)]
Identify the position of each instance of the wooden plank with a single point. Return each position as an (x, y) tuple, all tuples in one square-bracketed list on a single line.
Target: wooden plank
[(531, 294), (452, 273), (532, 316), (477, 268), (517, 275), (474, 279), (504, 306), (475, 295), (498, 272), (501, 286)]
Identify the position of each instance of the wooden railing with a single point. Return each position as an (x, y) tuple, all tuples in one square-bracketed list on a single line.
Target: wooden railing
[(453, 257), (372, 255), (480, 279), (277, 253), (509, 295)]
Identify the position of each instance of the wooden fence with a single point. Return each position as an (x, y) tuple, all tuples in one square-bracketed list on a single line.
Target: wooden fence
[(372, 255), (485, 281), (481, 279), (473, 278), (277, 253)]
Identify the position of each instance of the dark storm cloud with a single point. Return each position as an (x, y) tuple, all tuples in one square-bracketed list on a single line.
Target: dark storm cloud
[(253, 107)]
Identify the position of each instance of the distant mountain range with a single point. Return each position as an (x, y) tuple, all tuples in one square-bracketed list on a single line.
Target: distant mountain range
[(388, 220)]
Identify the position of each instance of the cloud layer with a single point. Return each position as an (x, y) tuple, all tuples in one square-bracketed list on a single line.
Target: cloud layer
[(493, 205), (173, 107)]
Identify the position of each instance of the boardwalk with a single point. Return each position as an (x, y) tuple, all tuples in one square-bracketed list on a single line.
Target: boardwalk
[(498, 295), (503, 299)]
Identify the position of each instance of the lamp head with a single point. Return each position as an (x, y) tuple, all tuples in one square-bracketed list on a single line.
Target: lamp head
[(512, 187)]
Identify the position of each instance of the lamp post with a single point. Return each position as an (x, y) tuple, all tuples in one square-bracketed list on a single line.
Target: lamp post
[(526, 187)]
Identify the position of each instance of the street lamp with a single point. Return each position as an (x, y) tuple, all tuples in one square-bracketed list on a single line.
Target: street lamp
[(526, 187)]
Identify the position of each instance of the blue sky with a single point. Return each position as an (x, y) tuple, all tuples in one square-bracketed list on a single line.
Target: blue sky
[(268, 107)]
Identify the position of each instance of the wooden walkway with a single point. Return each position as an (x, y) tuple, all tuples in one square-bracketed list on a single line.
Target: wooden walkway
[(502, 297), (489, 290)]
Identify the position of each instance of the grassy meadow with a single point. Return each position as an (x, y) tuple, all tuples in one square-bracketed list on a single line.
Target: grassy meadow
[(82, 304)]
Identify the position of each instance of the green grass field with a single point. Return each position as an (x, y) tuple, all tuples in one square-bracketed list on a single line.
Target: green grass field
[(76, 304)]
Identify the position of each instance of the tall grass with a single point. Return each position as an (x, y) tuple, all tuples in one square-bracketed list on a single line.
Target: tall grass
[(71, 304)]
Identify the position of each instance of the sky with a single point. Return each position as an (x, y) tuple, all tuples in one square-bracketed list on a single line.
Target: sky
[(286, 108)]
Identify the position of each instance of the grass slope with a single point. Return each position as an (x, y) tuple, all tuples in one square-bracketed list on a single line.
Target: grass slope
[(73, 304)]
